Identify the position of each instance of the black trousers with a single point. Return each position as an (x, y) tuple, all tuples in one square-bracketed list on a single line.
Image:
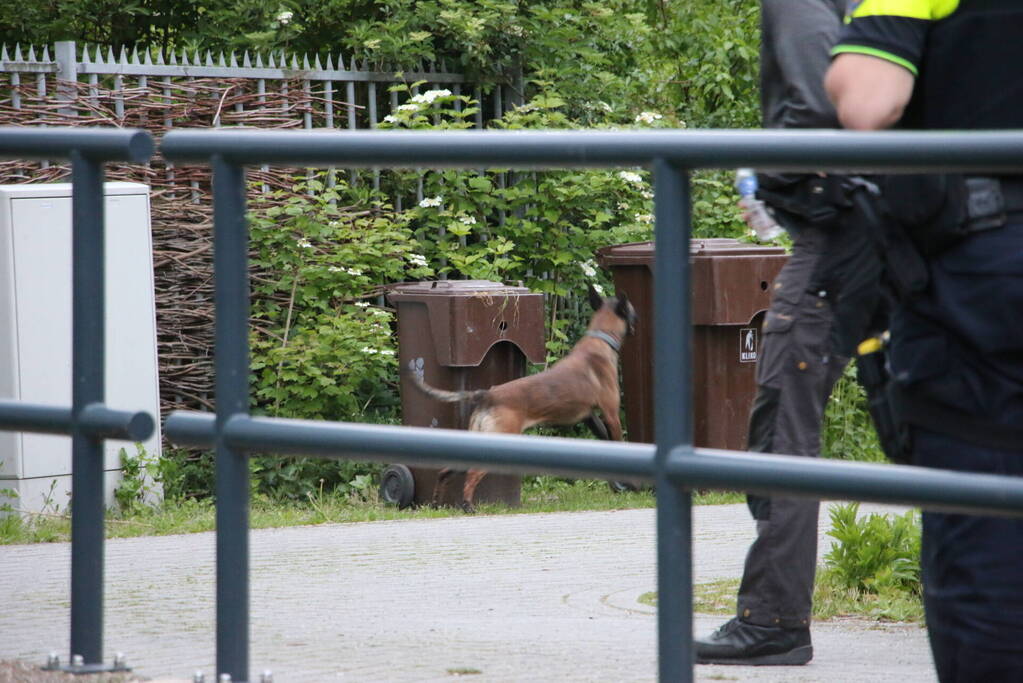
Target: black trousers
[(972, 573), (796, 372), (960, 344)]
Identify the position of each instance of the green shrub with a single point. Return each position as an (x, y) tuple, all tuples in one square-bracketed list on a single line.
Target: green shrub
[(848, 431), (876, 554)]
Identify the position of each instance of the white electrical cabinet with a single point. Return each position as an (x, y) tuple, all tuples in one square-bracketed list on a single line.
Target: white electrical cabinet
[(35, 331)]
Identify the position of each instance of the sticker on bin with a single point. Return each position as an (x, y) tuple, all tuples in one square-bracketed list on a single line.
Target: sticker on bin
[(748, 345)]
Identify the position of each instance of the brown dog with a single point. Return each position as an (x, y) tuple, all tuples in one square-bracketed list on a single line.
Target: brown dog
[(568, 392)]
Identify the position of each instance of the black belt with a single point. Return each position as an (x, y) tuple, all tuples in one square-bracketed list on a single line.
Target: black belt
[(991, 202)]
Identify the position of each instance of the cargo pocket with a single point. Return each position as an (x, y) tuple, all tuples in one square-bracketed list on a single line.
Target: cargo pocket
[(979, 290), (775, 348)]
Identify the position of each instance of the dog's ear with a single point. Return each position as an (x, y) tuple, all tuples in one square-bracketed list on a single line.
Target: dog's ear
[(623, 308), (596, 301)]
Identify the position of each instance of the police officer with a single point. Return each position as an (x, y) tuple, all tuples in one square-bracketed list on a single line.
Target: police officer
[(957, 341), (808, 335)]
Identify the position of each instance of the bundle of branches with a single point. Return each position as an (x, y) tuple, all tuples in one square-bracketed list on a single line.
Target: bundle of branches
[(180, 195)]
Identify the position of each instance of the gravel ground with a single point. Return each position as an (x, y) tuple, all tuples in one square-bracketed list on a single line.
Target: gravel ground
[(503, 599)]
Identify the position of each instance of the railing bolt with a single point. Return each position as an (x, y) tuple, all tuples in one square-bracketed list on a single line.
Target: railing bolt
[(77, 661), (119, 661), (267, 677), (53, 661), (198, 677), (224, 678)]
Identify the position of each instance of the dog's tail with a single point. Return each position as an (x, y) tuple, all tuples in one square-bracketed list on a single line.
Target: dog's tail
[(473, 397)]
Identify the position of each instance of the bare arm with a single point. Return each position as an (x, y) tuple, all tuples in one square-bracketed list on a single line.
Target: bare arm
[(868, 92)]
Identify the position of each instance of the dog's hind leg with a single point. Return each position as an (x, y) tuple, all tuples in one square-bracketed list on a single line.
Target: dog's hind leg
[(440, 487), (472, 480)]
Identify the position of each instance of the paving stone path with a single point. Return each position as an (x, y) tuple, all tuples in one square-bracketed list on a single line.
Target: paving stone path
[(550, 597)]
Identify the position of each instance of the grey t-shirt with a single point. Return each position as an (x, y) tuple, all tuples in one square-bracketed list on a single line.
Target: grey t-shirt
[(796, 41)]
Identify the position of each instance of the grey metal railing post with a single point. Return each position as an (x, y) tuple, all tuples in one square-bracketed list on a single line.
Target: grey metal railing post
[(65, 54), (87, 367), (88, 421), (231, 294), (673, 422)]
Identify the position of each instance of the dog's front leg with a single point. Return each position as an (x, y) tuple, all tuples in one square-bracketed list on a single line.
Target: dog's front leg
[(596, 426), (609, 411)]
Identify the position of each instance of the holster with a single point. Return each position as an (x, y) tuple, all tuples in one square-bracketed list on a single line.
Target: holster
[(872, 374), (804, 198)]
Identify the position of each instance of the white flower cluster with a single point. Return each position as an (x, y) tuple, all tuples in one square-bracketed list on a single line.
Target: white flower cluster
[(644, 218), (467, 220), (304, 243), (631, 177), (589, 268), (390, 118), (362, 304), (371, 351), (417, 260), (429, 96), (350, 271), (408, 107), (427, 202), (648, 117), (284, 17)]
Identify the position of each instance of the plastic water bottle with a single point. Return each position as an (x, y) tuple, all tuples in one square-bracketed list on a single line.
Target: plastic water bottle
[(760, 219)]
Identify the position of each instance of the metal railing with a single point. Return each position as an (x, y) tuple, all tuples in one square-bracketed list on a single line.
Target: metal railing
[(88, 420), (346, 93), (673, 464)]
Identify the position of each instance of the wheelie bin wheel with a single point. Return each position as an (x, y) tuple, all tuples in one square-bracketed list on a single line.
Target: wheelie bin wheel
[(397, 486)]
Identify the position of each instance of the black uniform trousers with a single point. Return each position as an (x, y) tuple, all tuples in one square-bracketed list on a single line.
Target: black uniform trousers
[(961, 344)]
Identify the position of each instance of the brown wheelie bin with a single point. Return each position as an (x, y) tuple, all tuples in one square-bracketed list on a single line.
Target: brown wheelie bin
[(459, 335), (731, 288)]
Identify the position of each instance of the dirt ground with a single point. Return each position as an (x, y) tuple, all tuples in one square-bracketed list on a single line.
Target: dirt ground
[(25, 672)]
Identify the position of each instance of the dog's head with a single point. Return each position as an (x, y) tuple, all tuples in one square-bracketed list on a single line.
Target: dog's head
[(618, 305)]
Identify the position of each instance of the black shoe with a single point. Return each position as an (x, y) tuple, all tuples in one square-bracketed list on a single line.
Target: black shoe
[(739, 642)]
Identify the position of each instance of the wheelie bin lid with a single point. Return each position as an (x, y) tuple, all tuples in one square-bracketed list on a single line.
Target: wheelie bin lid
[(468, 317), (642, 253)]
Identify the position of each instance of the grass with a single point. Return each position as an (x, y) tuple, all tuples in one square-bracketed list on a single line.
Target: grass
[(830, 600), (539, 495)]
